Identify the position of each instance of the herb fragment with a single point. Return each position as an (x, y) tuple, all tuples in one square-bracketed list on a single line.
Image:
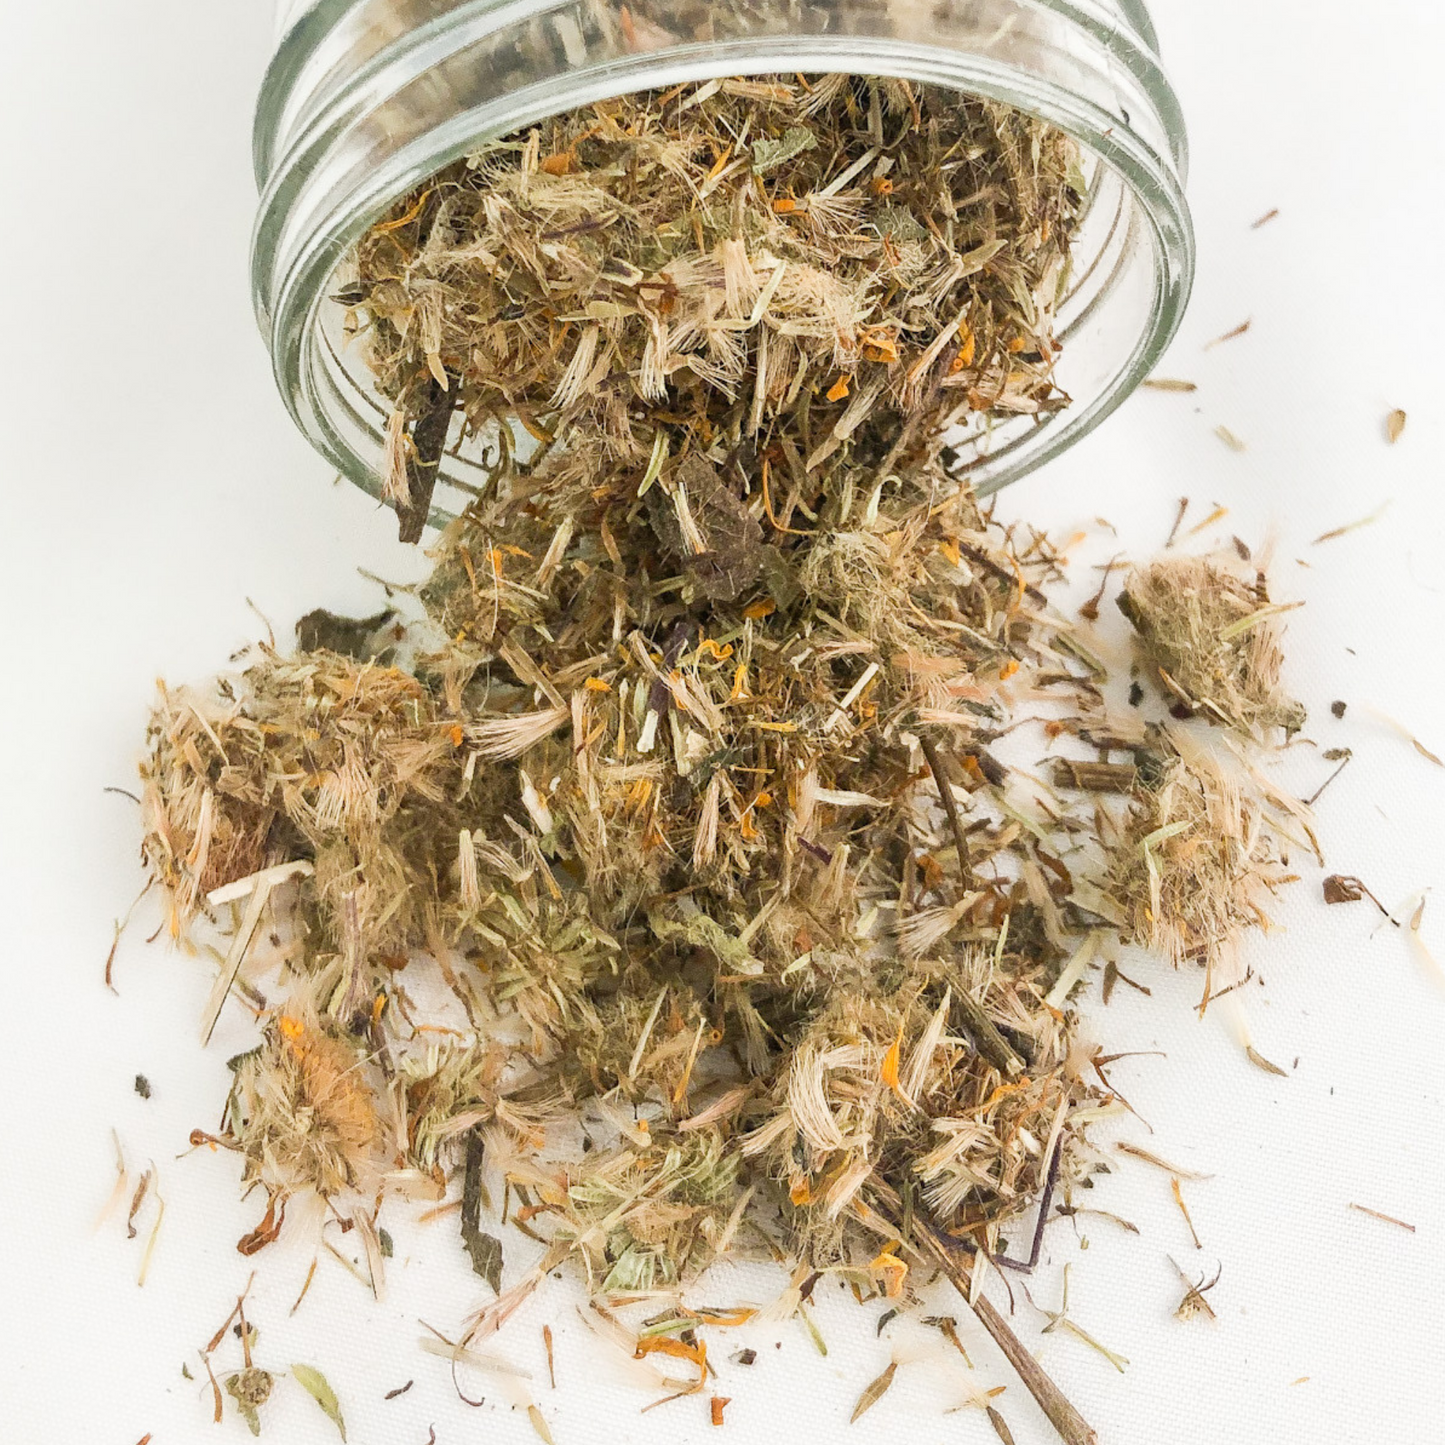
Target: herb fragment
[(315, 1384), (1194, 1302), (250, 1389), (873, 1393), (1230, 335), (1388, 1218)]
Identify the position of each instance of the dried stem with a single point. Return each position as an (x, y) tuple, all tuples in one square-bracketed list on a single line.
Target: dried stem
[(950, 807)]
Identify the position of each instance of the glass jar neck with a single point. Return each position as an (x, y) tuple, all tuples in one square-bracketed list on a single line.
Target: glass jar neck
[(366, 99)]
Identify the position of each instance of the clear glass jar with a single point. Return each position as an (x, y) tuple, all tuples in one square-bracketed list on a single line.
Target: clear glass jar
[(365, 99)]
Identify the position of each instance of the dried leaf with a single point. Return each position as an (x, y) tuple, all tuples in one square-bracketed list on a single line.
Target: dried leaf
[(769, 154), (873, 1393), (314, 1383), (484, 1249), (486, 1256), (1164, 383)]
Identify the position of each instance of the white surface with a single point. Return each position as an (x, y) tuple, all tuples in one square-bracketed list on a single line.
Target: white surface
[(152, 483)]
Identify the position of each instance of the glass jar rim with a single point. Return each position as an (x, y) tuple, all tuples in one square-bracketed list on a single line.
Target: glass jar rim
[(290, 276), (308, 30)]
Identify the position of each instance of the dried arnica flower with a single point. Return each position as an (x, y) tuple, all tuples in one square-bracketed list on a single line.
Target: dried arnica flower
[(827, 263), (1210, 634), (1201, 854), (303, 1111)]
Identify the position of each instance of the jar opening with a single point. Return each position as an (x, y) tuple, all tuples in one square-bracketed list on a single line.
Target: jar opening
[(420, 105)]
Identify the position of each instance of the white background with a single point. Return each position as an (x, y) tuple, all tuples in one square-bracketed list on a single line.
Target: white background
[(152, 483)]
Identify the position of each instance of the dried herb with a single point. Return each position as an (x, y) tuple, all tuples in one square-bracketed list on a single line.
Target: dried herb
[(485, 1249), (1124, 1147), (1350, 526), (315, 1384), (354, 637), (1208, 632), (1000, 1425), (143, 1086), (679, 767), (905, 237), (1230, 334), (1260, 1062), (1194, 1302), (873, 1393), (1059, 1319), (1388, 1218), (250, 1389), (1184, 1210), (1404, 732)]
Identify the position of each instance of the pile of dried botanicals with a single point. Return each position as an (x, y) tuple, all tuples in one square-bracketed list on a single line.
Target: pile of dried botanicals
[(826, 265), (680, 771)]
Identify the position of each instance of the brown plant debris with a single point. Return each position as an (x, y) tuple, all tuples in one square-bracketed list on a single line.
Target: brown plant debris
[(1388, 1218), (1230, 334), (1194, 1304)]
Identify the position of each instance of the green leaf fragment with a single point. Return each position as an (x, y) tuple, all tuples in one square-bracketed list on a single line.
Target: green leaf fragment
[(314, 1383), (768, 153)]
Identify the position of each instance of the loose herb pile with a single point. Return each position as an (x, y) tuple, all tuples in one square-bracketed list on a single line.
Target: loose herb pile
[(656, 859), (825, 268)]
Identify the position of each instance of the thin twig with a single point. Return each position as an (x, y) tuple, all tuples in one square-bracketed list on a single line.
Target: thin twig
[(1072, 1428), (950, 807)]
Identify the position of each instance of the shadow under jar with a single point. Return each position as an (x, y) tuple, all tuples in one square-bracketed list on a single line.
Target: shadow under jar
[(366, 99)]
